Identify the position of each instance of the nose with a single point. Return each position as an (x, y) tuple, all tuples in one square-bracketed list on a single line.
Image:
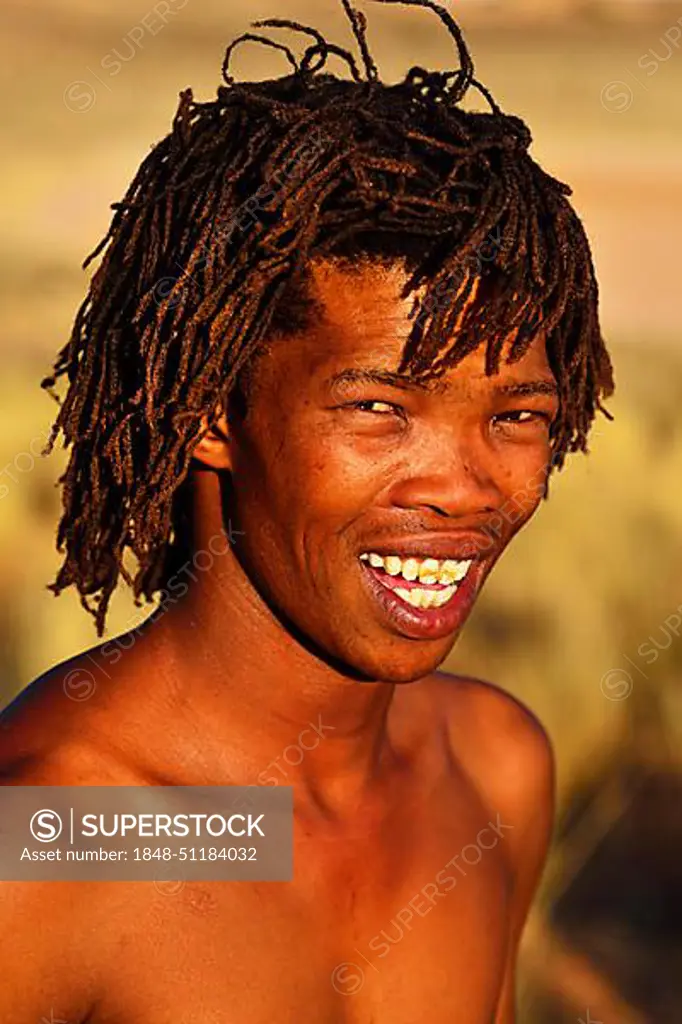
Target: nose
[(452, 476)]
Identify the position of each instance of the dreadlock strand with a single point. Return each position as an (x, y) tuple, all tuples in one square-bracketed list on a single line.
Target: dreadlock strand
[(466, 63), (359, 25)]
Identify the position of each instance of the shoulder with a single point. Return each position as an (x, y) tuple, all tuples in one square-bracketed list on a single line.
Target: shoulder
[(505, 751), (62, 729), (487, 708), (481, 716), (502, 748), (62, 961), (43, 742)]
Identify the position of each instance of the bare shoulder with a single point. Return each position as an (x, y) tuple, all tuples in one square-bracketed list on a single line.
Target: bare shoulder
[(503, 748), (73, 725), (62, 729), (52, 952), (485, 713)]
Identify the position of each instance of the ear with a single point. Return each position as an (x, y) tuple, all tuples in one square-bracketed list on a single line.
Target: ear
[(213, 448)]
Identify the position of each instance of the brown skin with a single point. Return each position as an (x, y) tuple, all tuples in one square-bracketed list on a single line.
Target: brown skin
[(273, 636)]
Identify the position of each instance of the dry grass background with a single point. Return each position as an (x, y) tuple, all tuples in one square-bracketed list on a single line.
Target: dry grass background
[(599, 570)]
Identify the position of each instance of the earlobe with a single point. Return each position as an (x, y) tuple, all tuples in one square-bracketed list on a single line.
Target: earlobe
[(213, 448)]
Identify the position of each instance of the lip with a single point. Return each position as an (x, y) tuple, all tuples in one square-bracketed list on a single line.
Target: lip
[(425, 623)]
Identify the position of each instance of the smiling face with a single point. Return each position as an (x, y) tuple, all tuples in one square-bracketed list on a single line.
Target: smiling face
[(373, 508)]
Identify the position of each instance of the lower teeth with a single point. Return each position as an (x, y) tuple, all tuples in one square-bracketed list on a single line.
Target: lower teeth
[(419, 598)]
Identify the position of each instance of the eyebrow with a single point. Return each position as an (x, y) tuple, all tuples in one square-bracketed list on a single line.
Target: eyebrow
[(526, 389), (357, 375), (512, 389)]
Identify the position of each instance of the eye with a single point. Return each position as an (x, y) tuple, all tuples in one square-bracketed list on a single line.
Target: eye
[(522, 416), (518, 416), (522, 422), (376, 406)]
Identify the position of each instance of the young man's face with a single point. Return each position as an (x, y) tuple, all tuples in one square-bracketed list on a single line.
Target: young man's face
[(344, 484)]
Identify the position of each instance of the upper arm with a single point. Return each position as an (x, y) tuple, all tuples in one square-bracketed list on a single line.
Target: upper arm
[(511, 761), (529, 807), (54, 938), (43, 977), (46, 944)]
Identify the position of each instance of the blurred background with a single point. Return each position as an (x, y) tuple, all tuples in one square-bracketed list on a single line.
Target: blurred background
[(582, 620)]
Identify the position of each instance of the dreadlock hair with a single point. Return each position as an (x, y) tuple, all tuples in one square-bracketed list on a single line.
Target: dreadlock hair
[(337, 168)]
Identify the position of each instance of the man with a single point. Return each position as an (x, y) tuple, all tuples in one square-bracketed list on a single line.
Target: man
[(341, 333)]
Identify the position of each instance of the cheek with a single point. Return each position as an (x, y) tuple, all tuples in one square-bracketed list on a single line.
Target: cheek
[(506, 521), (339, 477), (522, 485), (300, 483), (328, 472), (523, 499), (523, 463)]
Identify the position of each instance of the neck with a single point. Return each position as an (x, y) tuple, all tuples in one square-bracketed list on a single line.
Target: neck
[(285, 714)]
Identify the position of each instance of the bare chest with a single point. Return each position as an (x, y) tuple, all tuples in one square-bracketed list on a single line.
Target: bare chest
[(392, 928)]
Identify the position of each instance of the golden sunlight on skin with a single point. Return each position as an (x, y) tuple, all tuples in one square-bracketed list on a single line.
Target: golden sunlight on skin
[(422, 811), (418, 462)]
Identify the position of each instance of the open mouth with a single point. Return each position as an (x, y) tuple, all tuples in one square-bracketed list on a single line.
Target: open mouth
[(420, 582), (423, 597)]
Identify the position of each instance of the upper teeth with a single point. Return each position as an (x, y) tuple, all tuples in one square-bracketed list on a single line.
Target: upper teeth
[(427, 570)]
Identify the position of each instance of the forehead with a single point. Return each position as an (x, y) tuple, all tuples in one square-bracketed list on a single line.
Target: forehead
[(366, 321), (364, 301)]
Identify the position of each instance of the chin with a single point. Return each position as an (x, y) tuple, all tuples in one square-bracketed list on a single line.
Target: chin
[(394, 668)]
